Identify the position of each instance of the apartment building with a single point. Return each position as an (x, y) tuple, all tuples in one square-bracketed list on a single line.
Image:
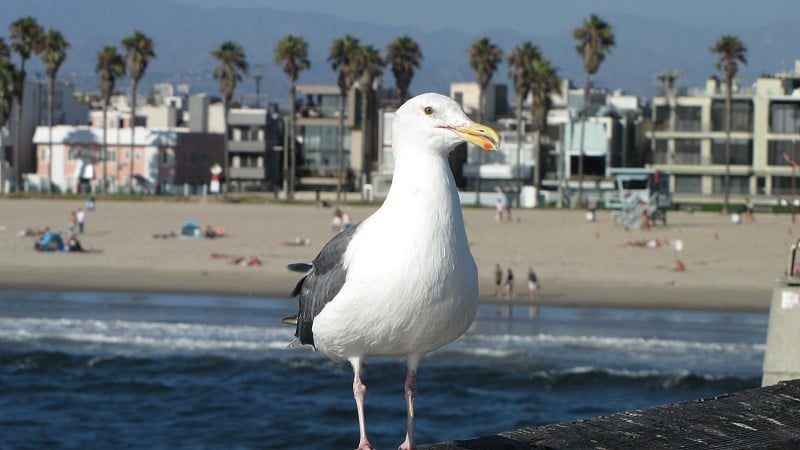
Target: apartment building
[(689, 139)]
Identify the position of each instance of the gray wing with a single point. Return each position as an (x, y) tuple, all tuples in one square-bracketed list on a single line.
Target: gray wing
[(323, 280)]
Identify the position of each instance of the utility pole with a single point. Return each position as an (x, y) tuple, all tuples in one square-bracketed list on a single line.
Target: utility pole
[(257, 75)]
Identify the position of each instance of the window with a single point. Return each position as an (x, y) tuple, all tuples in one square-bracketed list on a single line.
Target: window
[(780, 152), (784, 117), (687, 151), (741, 152), (74, 154), (661, 121), (111, 155), (321, 145), (739, 184), (688, 118), (660, 152), (689, 184), (44, 155), (783, 186), (742, 117)]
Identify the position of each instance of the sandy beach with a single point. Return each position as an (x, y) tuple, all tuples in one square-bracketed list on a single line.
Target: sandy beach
[(579, 263)]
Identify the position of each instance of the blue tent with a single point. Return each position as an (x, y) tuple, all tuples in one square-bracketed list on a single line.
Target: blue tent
[(191, 229), (52, 242)]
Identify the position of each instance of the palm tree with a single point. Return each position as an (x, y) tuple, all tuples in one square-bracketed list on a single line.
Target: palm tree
[(25, 36), (8, 77), (371, 63), (484, 58), (594, 40), (520, 61), (545, 81), (54, 52), (139, 50), (110, 66), (342, 56), (730, 51), (403, 55), (232, 65), (292, 51)]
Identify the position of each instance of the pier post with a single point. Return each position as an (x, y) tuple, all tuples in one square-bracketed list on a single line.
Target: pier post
[(782, 353)]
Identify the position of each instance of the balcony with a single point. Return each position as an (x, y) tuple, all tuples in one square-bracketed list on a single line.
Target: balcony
[(247, 146), (247, 173)]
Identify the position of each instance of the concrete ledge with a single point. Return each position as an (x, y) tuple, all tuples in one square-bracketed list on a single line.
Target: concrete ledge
[(767, 417)]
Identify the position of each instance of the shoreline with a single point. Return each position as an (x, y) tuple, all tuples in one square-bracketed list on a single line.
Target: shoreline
[(565, 293), (591, 264)]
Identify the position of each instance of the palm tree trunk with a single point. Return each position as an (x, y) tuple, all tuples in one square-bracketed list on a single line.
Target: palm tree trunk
[(340, 150), (226, 168), (133, 134), (365, 139), (104, 153), (480, 153), (289, 153), (50, 89), (18, 130), (519, 148), (583, 136), (537, 156), (728, 126)]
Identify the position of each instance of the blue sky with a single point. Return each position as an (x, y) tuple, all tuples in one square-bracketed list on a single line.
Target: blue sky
[(543, 16)]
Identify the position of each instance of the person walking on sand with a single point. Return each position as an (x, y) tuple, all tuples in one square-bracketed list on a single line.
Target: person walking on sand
[(73, 222), (80, 216), (533, 291), (498, 286), (498, 210), (510, 291)]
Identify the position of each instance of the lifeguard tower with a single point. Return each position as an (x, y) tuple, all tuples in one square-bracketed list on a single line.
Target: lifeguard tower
[(638, 191)]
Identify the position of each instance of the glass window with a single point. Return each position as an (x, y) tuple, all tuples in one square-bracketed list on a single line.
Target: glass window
[(689, 184), (779, 153), (742, 117), (784, 117), (739, 184), (687, 151), (320, 149), (688, 118), (783, 186), (741, 152)]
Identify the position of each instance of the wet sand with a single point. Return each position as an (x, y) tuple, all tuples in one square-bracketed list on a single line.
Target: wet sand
[(579, 263)]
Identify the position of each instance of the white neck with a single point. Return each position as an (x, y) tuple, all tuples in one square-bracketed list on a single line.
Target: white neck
[(423, 182)]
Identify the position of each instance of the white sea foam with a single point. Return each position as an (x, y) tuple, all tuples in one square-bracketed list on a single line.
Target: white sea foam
[(511, 341), (160, 336)]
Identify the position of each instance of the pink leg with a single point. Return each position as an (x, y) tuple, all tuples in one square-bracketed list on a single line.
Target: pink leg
[(359, 391), (411, 393)]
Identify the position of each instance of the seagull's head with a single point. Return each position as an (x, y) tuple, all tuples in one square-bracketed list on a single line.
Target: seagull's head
[(436, 122)]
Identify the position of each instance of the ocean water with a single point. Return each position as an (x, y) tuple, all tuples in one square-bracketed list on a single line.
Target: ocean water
[(89, 370)]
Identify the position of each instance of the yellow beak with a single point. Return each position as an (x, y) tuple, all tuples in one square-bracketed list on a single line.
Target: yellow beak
[(480, 135)]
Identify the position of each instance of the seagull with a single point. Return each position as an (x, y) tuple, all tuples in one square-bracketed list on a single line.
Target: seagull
[(403, 282)]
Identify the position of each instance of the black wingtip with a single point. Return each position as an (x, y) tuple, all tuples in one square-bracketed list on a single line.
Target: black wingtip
[(300, 267)]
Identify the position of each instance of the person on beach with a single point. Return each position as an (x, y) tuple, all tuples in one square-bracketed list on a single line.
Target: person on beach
[(81, 217), (73, 222), (533, 291), (533, 284), (748, 212), (336, 221), (510, 295), (498, 285), (498, 210)]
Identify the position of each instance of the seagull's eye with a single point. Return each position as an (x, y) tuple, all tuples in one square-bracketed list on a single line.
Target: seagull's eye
[(428, 110)]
